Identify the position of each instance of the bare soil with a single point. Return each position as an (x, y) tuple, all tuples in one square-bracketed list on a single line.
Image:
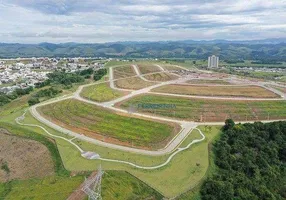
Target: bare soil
[(21, 158)]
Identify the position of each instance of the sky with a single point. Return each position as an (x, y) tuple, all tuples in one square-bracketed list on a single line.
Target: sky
[(96, 21)]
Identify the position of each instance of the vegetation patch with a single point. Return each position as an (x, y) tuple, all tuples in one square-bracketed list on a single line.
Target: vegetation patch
[(100, 93), (108, 126), (208, 81), (231, 91), (163, 76), (251, 163), (210, 110), (133, 83)]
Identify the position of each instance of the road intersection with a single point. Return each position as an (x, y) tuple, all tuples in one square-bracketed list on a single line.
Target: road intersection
[(171, 148)]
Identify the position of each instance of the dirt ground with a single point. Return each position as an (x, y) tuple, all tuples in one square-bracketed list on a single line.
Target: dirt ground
[(22, 158)]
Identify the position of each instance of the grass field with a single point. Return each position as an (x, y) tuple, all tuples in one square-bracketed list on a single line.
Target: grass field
[(119, 185), (163, 76), (148, 68), (231, 91), (208, 81), (123, 71), (100, 93), (108, 126), (210, 110), (133, 83), (48, 188)]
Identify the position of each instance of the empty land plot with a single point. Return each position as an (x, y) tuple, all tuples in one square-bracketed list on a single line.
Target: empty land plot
[(123, 72), (22, 158), (108, 126), (210, 110), (231, 91), (171, 67), (208, 81), (148, 68), (133, 83), (163, 76), (100, 92)]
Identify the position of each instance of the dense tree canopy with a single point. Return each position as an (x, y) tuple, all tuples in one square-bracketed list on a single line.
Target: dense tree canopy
[(98, 74), (251, 161)]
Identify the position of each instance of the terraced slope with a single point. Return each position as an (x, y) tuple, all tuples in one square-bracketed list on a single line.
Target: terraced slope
[(211, 110), (108, 126)]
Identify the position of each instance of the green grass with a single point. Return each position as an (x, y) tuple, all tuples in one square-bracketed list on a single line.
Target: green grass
[(118, 185), (192, 136), (108, 124), (100, 93), (48, 188), (210, 109), (185, 171)]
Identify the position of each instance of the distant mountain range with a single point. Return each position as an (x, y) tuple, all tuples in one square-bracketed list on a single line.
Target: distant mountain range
[(270, 49)]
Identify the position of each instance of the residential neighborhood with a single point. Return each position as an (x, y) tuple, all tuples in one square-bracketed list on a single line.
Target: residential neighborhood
[(26, 72)]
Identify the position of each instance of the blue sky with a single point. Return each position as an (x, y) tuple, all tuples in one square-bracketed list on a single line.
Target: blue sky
[(91, 21)]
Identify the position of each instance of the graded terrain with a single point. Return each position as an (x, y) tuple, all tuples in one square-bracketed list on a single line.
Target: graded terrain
[(108, 126), (211, 110), (230, 91)]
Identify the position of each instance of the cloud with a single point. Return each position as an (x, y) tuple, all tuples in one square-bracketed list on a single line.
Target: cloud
[(32, 21)]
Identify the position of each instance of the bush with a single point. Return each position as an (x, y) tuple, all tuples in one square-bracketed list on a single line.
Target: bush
[(33, 101)]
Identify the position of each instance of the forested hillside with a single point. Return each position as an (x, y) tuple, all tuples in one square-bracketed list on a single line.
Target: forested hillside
[(180, 49), (251, 163)]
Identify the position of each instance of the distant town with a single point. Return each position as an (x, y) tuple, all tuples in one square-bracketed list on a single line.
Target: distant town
[(26, 72)]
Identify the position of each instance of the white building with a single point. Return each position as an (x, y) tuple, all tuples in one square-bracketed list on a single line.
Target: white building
[(213, 61)]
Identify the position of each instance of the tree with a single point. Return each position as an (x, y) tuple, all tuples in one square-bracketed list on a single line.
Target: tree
[(229, 123)]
